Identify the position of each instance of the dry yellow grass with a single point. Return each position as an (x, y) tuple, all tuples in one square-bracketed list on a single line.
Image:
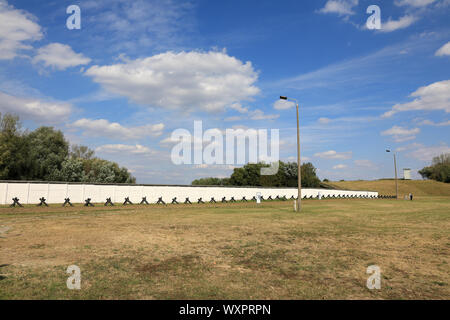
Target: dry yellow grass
[(387, 187), (229, 251)]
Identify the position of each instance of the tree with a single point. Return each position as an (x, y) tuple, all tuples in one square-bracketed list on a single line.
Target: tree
[(47, 150), (208, 182), (439, 169), (43, 154), (72, 170), (250, 175), (14, 162), (83, 152), (102, 171), (309, 177)]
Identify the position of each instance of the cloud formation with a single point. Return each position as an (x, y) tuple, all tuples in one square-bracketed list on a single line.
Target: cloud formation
[(444, 50), (331, 154), (340, 7), (365, 163), (435, 96), (434, 124), (60, 56), (105, 128), (123, 148), (283, 105), (35, 109), (426, 153), (17, 29), (413, 3), (401, 134), (188, 81), (401, 23), (134, 25)]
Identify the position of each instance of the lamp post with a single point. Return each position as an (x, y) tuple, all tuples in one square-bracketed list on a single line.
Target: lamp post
[(299, 199), (395, 168)]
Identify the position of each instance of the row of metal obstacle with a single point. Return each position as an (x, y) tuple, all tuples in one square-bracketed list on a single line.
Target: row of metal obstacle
[(127, 201), (386, 197)]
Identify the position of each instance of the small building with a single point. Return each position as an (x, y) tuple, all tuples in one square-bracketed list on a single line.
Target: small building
[(407, 173)]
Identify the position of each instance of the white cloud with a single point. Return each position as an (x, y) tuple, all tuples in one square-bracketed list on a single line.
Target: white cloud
[(434, 124), (339, 166), (424, 153), (365, 163), (137, 25), (35, 109), (444, 50), (402, 23), (401, 134), (331, 154), (260, 115), (324, 120), (357, 71), (233, 118), (60, 56), (283, 105), (17, 27), (115, 130), (411, 146), (123, 148), (239, 108), (340, 7), (435, 96), (294, 159), (189, 81), (248, 114), (396, 130), (413, 3)]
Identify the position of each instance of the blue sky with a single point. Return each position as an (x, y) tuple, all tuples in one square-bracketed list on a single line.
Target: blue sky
[(137, 70)]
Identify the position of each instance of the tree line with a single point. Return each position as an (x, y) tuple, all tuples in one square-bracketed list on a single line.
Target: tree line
[(439, 169), (250, 175), (44, 154)]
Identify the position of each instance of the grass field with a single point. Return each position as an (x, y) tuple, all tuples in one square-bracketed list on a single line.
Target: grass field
[(387, 187), (229, 251)]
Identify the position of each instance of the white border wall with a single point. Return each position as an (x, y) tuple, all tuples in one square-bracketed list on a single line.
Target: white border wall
[(29, 193)]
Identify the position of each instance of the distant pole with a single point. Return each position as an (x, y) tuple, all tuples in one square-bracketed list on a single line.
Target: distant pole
[(299, 207), (395, 169), (299, 172), (396, 183)]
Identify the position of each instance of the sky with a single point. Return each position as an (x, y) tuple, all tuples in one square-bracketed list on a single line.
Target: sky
[(135, 71)]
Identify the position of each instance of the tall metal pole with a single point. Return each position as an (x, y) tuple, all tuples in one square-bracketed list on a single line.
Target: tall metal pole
[(299, 208), (396, 183), (299, 168)]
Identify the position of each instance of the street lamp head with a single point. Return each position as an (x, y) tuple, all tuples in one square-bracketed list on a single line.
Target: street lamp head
[(283, 98), (387, 150)]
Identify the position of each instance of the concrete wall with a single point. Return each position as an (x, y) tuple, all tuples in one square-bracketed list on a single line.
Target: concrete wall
[(29, 193)]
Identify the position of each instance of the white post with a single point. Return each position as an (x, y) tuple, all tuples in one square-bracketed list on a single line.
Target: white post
[(6, 194), (295, 205), (28, 193), (258, 197)]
